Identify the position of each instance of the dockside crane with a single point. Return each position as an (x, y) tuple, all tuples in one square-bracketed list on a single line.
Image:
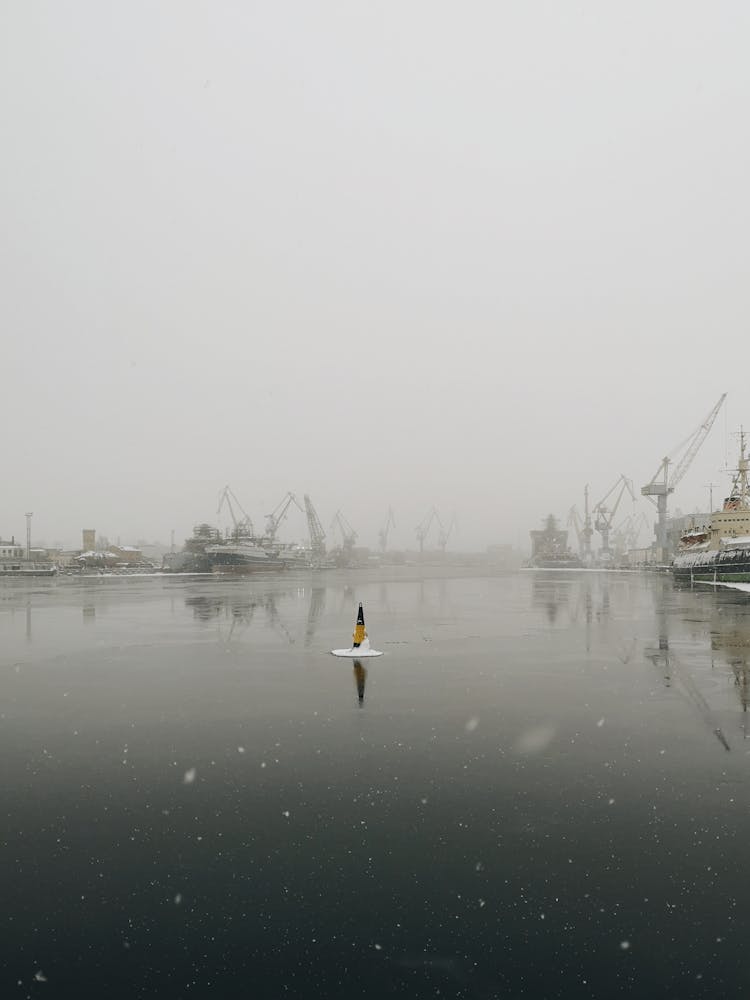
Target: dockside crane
[(315, 529), (348, 534), (242, 525), (390, 522), (628, 532), (604, 515), (424, 526), (575, 522), (277, 515), (444, 534), (582, 526), (662, 483)]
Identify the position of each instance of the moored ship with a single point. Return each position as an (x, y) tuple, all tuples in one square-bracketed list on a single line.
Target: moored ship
[(719, 552), (242, 555), (208, 551), (549, 547)]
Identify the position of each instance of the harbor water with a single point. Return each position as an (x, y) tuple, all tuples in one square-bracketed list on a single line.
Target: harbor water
[(541, 790)]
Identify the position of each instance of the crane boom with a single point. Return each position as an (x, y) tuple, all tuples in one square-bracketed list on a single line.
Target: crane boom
[(317, 535), (662, 484), (277, 515), (603, 515), (582, 526), (424, 526), (445, 533), (698, 438), (348, 534), (241, 525), (390, 522)]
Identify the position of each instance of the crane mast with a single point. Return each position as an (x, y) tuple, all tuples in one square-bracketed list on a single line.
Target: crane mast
[(348, 534), (662, 484), (582, 528), (390, 522), (604, 515), (243, 525), (444, 534), (424, 526), (315, 528), (277, 515)]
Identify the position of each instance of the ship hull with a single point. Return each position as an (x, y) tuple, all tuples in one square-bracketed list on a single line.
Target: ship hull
[(239, 567), (241, 559), (556, 564), (22, 572), (731, 566)]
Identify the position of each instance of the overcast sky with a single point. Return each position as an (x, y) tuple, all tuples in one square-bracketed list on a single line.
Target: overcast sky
[(469, 254)]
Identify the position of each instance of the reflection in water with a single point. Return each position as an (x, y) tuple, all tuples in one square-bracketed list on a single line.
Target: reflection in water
[(551, 591), (730, 635), (324, 802), (317, 607), (360, 676), (674, 670), (240, 611), (274, 619), (659, 654), (89, 614)]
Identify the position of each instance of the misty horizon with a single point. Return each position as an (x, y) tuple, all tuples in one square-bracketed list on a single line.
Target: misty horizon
[(475, 259)]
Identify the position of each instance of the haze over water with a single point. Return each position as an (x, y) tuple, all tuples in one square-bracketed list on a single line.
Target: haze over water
[(539, 791)]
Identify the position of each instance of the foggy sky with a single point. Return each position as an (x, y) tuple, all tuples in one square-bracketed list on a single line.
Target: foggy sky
[(472, 255)]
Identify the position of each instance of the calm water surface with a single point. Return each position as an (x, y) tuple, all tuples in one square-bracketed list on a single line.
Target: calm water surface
[(540, 791)]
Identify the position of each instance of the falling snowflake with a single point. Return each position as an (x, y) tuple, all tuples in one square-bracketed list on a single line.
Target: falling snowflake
[(189, 776), (535, 739)]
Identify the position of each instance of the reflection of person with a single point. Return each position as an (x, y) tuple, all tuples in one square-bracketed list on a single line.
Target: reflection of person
[(360, 633), (360, 676)]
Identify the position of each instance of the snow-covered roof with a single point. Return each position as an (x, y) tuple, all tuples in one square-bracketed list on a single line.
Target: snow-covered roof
[(735, 541)]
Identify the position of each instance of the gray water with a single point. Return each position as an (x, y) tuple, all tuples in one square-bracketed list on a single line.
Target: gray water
[(540, 791)]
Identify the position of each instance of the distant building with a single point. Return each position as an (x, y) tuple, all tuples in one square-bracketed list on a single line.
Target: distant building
[(9, 550), (89, 539), (127, 554)]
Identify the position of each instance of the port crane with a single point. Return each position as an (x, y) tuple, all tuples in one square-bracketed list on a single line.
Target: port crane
[(629, 530), (604, 515), (277, 515), (662, 483), (582, 526), (390, 522), (444, 534), (348, 534), (242, 525), (315, 528), (575, 522), (424, 526)]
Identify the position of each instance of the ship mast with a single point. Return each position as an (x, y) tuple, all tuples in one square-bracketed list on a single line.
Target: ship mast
[(740, 488)]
